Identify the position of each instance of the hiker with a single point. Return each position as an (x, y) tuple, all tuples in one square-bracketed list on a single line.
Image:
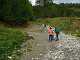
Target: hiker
[(43, 27), (57, 31), (50, 33), (54, 34)]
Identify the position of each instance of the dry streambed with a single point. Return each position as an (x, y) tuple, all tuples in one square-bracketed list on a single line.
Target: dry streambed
[(68, 48)]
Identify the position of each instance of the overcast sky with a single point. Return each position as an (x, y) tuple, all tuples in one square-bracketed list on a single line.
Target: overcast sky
[(33, 2), (67, 1), (61, 1)]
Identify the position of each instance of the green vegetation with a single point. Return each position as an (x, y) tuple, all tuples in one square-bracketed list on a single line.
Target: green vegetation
[(19, 11), (66, 24), (57, 10), (10, 41), (15, 10)]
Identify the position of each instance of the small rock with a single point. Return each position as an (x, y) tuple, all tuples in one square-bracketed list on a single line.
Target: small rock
[(41, 54)]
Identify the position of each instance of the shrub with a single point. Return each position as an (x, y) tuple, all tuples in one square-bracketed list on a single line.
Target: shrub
[(10, 39)]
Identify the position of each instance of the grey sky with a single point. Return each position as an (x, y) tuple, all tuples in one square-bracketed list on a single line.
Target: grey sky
[(60, 1), (67, 1), (33, 2)]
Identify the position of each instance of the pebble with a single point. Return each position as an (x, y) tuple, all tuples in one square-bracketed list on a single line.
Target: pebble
[(69, 51), (41, 54), (9, 57)]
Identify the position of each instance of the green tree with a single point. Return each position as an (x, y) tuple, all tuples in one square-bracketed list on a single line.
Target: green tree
[(15, 10)]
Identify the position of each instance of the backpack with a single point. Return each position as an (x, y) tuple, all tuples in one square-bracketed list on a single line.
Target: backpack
[(57, 29)]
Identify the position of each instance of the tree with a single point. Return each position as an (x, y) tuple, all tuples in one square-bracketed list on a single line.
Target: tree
[(15, 10)]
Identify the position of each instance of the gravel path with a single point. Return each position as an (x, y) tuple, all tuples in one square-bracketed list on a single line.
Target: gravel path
[(67, 48)]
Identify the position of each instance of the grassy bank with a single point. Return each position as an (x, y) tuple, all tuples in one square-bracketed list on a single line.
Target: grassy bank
[(10, 41), (67, 24)]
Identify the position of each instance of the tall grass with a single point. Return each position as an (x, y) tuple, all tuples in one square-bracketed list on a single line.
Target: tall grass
[(10, 40), (67, 24)]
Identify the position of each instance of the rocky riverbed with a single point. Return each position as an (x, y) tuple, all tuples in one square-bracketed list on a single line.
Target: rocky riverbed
[(67, 48)]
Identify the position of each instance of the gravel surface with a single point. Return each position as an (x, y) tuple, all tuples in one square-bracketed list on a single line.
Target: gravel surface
[(67, 48)]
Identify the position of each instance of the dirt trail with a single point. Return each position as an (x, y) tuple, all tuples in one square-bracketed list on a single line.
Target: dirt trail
[(67, 48)]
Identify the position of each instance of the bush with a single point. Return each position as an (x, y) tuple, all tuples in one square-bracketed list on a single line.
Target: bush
[(19, 10), (10, 39)]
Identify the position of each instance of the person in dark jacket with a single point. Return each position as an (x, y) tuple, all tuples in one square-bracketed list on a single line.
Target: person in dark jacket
[(57, 31)]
